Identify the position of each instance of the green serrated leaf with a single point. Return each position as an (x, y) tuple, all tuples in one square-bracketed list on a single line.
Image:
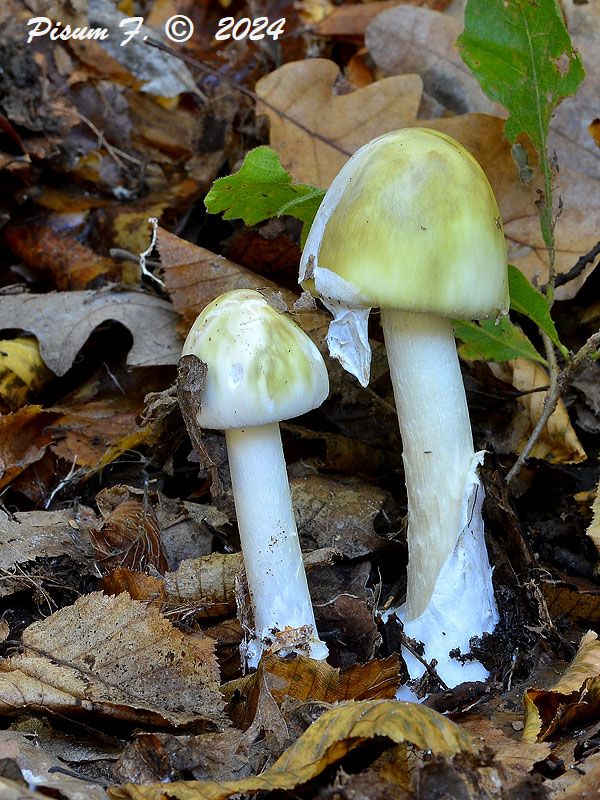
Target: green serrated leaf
[(262, 189), (494, 341), (525, 299), (521, 54)]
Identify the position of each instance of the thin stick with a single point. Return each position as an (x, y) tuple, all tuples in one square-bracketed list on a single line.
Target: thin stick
[(557, 387)]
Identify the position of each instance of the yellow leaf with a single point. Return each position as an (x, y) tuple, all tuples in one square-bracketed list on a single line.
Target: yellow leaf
[(22, 370), (574, 700), (558, 442), (325, 742)]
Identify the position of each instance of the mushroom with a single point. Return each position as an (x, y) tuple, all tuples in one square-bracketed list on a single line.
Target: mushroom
[(262, 368), (410, 224)]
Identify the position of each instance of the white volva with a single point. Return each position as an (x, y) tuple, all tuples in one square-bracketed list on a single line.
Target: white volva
[(262, 368), (411, 225)]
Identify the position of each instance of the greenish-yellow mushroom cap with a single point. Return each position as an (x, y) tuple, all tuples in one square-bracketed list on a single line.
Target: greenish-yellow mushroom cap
[(411, 223), (262, 367)]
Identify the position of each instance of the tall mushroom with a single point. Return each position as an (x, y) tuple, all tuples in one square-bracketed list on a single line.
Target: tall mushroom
[(410, 224), (262, 368)]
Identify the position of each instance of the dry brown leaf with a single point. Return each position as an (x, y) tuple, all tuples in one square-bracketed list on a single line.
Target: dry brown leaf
[(409, 39), (24, 437), (574, 700), (594, 529), (194, 276), (332, 512), (44, 772), (129, 538), (70, 264), (204, 587), (115, 657), (575, 597), (558, 442), (307, 680), (150, 319), (28, 535), (305, 90), (326, 741), (515, 756), (350, 21), (569, 130)]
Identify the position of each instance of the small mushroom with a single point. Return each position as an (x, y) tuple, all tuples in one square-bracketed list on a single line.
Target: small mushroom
[(262, 368), (411, 225)]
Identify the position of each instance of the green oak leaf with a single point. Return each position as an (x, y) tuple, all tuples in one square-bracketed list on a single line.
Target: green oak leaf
[(494, 341), (521, 54), (262, 189), (525, 299)]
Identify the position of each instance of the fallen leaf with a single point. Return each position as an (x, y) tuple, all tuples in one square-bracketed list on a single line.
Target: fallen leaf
[(305, 90), (24, 437), (569, 134), (115, 657), (150, 320), (558, 442), (408, 39), (211, 756), (29, 535), (338, 513), (129, 538), (22, 371), (594, 529), (574, 700), (44, 772), (575, 597), (350, 21), (336, 733), (204, 587), (195, 276), (71, 265), (308, 680)]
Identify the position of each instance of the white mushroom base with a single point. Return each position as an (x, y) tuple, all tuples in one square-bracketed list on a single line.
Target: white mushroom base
[(284, 620), (462, 604)]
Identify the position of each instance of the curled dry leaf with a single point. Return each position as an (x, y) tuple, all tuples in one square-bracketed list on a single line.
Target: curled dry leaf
[(307, 680), (29, 535), (350, 21), (305, 90), (204, 587), (150, 320), (325, 742), (574, 700), (129, 538), (558, 442), (115, 657)]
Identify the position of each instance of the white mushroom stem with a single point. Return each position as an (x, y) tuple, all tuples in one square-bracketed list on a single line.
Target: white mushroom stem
[(449, 576), (272, 557)]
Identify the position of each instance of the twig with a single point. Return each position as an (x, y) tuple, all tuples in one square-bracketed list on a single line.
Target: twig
[(581, 264), (558, 383)]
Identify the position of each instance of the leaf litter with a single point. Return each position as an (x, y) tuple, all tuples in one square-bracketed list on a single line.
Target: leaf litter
[(121, 570)]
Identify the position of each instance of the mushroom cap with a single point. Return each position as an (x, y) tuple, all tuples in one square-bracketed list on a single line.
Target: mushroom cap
[(262, 367), (411, 223)]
